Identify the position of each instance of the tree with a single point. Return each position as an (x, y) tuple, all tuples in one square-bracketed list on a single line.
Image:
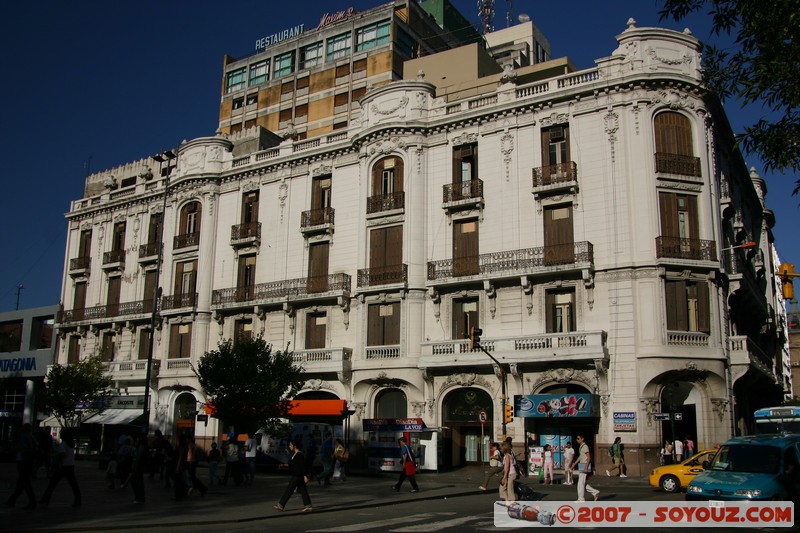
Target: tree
[(762, 66), (248, 384), (76, 391)]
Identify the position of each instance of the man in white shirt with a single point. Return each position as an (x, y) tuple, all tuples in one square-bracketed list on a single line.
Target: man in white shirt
[(250, 447), (678, 450), (584, 463)]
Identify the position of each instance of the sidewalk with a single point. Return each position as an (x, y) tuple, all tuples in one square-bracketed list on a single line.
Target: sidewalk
[(105, 509)]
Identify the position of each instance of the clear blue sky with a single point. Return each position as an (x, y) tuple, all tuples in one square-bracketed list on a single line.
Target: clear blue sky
[(111, 82)]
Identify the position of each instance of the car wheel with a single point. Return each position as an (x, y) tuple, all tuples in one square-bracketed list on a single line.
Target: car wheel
[(670, 484)]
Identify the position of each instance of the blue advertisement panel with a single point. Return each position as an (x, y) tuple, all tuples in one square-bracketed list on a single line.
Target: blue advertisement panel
[(557, 405), (624, 420)]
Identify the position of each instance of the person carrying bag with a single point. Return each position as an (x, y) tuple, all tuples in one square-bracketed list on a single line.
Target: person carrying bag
[(409, 469)]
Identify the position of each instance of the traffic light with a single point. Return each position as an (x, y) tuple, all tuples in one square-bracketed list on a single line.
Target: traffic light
[(474, 337), (508, 416), (786, 272)]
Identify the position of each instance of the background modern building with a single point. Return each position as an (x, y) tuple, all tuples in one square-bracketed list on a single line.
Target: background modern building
[(589, 222)]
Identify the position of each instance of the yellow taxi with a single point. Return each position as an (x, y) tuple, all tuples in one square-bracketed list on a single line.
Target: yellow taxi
[(671, 478)]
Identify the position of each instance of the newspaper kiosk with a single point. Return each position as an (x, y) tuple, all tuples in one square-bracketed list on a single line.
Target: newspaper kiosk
[(383, 453)]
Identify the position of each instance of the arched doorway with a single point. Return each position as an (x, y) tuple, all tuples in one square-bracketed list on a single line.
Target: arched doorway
[(185, 414), (466, 441), (679, 400), (391, 403)]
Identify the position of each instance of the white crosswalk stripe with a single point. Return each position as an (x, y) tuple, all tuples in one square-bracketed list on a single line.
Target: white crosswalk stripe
[(381, 524), (436, 526)]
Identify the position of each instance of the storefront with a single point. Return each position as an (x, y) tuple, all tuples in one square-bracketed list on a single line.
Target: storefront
[(383, 450), (556, 419)]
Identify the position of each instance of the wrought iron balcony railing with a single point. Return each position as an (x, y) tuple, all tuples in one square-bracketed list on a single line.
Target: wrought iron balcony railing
[(248, 230), (512, 261), (385, 275), (466, 190), (386, 202), (186, 240), (80, 263), (678, 248), (114, 256), (150, 249), (555, 174), (179, 301), (316, 217), (683, 165), (298, 287)]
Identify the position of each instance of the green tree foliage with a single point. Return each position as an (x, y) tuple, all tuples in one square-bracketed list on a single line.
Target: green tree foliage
[(76, 391), (248, 384), (762, 67)]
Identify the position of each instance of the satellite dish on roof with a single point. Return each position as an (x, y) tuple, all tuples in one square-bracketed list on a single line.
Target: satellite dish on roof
[(523, 17)]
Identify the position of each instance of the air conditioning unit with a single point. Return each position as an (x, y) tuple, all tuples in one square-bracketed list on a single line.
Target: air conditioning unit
[(557, 133)]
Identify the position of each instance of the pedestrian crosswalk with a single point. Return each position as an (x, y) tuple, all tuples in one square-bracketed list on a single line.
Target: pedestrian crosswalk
[(423, 522)]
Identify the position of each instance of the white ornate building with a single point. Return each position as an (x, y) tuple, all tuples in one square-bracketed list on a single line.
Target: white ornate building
[(584, 221)]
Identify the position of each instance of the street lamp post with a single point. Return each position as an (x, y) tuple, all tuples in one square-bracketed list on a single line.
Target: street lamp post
[(167, 156)]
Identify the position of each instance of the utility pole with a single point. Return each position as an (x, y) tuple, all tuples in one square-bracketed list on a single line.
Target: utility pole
[(475, 342), (19, 290)]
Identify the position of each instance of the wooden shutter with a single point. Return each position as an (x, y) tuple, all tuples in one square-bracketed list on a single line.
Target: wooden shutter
[(74, 349), (377, 249), (465, 247), (465, 315), (374, 326), (79, 301), (85, 247), (315, 330), (144, 343), (154, 233), (550, 311), (559, 239), (377, 173), (673, 133), (250, 207), (398, 174), (393, 248), (178, 278), (119, 236), (391, 323), (668, 206), (703, 308), (694, 225), (677, 316), (108, 346), (318, 258), (112, 302)]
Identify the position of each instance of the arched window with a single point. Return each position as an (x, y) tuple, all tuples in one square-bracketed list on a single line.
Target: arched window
[(674, 145), (189, 230), (391, 403), (387, 185)]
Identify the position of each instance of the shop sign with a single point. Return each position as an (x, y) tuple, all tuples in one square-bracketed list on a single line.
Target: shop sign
[(25, 366), (330, 18), (624, 420), (275, 38), (393, 424), (557, 406), (126, 402)]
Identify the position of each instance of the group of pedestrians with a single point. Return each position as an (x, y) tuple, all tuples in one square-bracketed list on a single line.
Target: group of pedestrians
[(676, 451)]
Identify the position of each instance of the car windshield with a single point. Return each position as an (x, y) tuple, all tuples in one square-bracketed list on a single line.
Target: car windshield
[(747, 458)]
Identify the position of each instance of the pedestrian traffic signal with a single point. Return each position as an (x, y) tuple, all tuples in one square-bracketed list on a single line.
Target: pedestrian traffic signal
[(509, 413), (786, 272), (474, 337)]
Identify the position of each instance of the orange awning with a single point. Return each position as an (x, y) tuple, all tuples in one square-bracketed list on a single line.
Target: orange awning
[(318, 408)]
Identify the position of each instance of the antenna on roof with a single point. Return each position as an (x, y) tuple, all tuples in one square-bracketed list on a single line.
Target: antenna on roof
[(509, 16), (486, 13)]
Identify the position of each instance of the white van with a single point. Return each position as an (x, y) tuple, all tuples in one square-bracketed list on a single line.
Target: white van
[(273, 451)]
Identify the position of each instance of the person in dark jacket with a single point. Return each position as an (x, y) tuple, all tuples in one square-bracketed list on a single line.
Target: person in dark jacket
[(25, 450), (298, 479)]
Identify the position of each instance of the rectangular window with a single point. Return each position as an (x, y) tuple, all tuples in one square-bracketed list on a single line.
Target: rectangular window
[(560, 311), (73, 349), (149, 295), (465, 316), (466, 243), (340, 103), (242, 329), (252, 99), (465, 167), (302, 86), (85, 246), (247, 273), (559, 239), (11, 336), (688, 306), (118, 243), (185, 277), (250, 207), (386, 255), (180, 341), (154, 230), (311, 55), (109, 344), (259, 72), (235, 80), (112, 302), (318, 259), (316, 324), (284, 64), (42, 332), (383, 324), (357, 94), (238, 103), (372, 35), (405, 45), (79, 299), (144, 344), (338, 46)]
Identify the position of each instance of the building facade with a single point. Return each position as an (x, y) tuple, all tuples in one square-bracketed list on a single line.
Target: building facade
[(589, 222)]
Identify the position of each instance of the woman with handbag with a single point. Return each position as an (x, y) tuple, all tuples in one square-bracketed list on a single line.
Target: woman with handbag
[(409, 469), (495, 465), (341, 455)]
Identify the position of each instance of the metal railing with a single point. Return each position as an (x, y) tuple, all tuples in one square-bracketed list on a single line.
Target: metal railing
[(297, 287), (179, 301), (679, 248), (386, 202), (678, 164), (150, 249), (523, 260), (555, 174), (186, 240), (248, 230), (453, 192), (385, 275), (80, 263), (316, 217), (114, 256)]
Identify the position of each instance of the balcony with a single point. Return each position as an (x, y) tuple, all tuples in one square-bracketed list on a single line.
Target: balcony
[(115, 259), (186, 240), (514, 263), (531, 351), (386, 202), (317, 221), (176, 367), (744, 352), (179, 301), (149, 252), (80, 315), (131, 370), (79, 266), (682, 165), (555, 179), (380, 276), (462, 195), (323, 361), (692, 249), (691, 339), (299, 289), (245, 234)]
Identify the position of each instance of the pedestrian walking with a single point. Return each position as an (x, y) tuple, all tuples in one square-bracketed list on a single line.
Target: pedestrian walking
[(25, 456), (678, 450), (549, 465), (326, 456), (141, 462), (64, 467), (298, 479), (569, 459), (192, 460), (214, 457), (666, 453), (495, 465), (341, 455), (250, 450), (584, 463), (182, 482), (231, 452), (510, 473), (618, 457), (689, 446), (409, 469)]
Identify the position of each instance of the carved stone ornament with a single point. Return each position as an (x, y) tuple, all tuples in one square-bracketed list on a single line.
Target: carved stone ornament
[(393, 144), (720, 407), (390, 110), (193, 159), (672, 61), (672, 98), (465, 138), (555, 118), (283, 192), (322, 170), (464, 380), (509, 74), (650, 406)]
